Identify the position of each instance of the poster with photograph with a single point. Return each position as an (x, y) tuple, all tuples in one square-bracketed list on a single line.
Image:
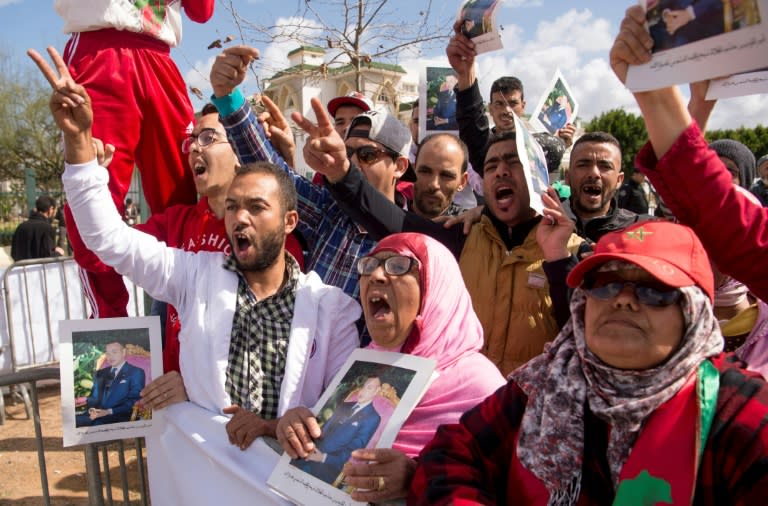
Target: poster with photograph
[(556, 107), (364, 407), (695, 40), (534, 164), (105, 363), (478, 22), (739, 85), (437, 101)]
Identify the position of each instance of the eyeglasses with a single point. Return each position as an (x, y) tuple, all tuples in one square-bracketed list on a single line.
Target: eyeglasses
[(369, 154), (205, 138), (646, 294), (394, 266)]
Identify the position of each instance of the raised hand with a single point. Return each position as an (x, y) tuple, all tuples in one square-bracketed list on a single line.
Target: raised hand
[(555, 228), (229, 68), (70, 103), (633, 44), (461, 56), (566, 134), (279, 131), (324, 151)]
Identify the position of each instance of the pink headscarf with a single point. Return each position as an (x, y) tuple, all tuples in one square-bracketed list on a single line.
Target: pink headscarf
[(447, 330)]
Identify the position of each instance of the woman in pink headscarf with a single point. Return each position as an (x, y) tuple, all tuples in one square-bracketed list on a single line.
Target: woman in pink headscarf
[(415, 302)]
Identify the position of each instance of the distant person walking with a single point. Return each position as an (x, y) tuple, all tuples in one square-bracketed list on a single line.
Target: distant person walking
[(36, 237)]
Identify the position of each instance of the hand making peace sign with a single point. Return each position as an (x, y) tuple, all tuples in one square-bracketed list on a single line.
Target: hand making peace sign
[(324, 151), (70, 106)]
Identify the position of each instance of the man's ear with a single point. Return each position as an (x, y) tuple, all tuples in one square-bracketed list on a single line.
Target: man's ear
[(567, 177), (401, 165), (620, 179), (463, 180), (291, 220)]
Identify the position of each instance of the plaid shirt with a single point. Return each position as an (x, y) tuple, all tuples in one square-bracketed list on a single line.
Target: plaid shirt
[(335, 241), (475, 460), (260, 333)]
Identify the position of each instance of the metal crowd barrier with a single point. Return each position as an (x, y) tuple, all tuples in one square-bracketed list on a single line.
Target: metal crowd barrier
[(36, 295), (31, 377)]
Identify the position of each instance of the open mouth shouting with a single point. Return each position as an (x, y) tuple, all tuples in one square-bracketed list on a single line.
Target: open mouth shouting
[(505, 195), (592, 193), (241, 243), (378, 307)]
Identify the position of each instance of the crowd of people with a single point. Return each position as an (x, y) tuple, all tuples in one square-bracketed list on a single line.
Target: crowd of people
[(587, 354)]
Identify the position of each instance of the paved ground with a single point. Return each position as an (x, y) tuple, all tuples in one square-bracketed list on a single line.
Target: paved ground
[(19, 470)]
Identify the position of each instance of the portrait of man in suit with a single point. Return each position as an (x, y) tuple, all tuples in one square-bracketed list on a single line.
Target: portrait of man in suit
[(349, 428), (115, 390)]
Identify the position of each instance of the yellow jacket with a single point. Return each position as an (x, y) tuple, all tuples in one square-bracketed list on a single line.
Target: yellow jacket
[(510, 294)]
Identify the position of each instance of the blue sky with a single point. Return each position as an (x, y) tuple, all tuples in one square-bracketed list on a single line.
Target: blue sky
[(539, 36)]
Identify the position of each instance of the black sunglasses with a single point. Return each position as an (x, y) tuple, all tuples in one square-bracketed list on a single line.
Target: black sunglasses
[(369, 154), (397, 265), (645, 292)]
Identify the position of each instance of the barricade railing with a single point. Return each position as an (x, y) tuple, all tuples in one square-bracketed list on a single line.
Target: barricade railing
[(37, 294), (32, 377)]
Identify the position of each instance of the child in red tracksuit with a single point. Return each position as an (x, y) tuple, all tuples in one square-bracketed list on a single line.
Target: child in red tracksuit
[(120, 52)]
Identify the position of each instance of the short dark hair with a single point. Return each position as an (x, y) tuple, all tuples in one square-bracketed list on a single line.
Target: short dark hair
[(44, 203), (459, 142), (500, 137), (209, 108), (286, 188), (601, 137), (508, 84)]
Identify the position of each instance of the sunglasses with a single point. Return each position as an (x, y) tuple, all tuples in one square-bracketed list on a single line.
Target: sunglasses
[(205, 138), (647, 293), (369, 154), (397, 265)]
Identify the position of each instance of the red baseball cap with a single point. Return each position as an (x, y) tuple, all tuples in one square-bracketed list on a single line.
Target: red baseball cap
[(668, 251), (352, 98)]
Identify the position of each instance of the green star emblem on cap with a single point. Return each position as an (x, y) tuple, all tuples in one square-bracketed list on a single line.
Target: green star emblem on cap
[(638, 234)]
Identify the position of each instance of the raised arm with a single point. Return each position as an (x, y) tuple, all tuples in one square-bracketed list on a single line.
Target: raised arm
[(688, 176), (132, 253), (325, 152)]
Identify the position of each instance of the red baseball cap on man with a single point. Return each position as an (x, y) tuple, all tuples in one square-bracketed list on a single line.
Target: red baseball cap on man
[(354, 98), (669, 252)]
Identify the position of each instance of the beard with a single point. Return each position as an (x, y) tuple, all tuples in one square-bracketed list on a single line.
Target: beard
[(269, 247), (427, 209), (605, 200)]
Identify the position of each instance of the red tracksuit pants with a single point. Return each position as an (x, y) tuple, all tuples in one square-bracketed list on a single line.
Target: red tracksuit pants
[(141, 106)]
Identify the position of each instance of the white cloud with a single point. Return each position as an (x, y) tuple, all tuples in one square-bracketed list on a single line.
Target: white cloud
[(3, 3), (522, 3), (578, 43)]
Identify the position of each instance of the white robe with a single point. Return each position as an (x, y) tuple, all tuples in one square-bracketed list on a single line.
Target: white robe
[(323, 334)]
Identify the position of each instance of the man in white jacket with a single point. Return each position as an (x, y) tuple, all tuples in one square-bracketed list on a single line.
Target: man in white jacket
[(258, 336)]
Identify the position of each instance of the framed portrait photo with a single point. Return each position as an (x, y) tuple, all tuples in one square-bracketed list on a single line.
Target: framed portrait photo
[(556, 107), (105, 363), (697, 40), (437, 101), (364, 407)]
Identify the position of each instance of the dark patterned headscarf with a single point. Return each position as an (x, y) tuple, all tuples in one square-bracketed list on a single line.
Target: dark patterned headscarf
[(567, 377)]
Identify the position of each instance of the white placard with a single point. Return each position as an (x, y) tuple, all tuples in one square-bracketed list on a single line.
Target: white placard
[(557, 106), (98, 404), (402, 380), (706, 40)]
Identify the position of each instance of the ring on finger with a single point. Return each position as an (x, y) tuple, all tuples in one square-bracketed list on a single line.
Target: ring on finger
[(381, 484)]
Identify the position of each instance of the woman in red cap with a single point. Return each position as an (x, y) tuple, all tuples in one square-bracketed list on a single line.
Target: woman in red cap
[(633, 403)]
